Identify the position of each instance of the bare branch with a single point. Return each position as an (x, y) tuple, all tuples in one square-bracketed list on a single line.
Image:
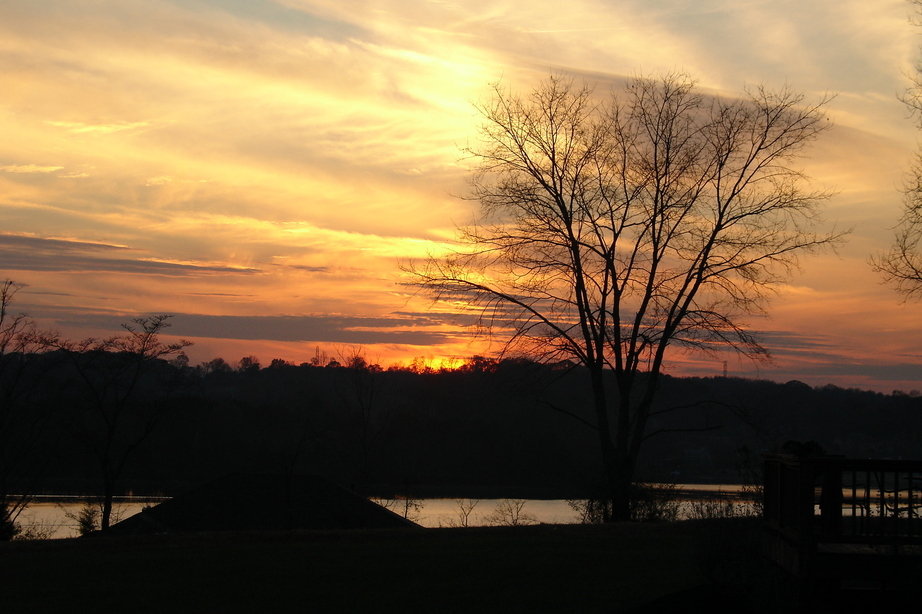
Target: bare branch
[(901, 265), (616, 227)]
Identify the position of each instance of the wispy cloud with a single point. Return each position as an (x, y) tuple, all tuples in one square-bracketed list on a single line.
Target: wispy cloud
[(24, 253), (105, 128), (29, 168), (303, 328)]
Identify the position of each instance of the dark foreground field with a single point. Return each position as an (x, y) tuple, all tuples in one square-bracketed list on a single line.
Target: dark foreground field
[(679, 567)]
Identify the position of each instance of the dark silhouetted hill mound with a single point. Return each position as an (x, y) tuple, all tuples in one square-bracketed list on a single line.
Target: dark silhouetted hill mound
[(261, 502)]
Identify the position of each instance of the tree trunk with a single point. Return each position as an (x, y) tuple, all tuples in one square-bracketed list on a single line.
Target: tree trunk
[(106, 507), (620, 479), (603, 428)]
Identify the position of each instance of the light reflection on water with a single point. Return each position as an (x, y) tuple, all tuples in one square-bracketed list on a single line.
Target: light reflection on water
[(433, 513), (446, 512), (57, 519)]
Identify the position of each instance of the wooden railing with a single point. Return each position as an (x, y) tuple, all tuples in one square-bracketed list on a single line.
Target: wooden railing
[(819, 503)]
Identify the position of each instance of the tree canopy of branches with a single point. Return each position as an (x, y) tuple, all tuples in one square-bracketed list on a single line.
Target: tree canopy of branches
[(901, 266), (615, 227), (117, 417), (21, 424)]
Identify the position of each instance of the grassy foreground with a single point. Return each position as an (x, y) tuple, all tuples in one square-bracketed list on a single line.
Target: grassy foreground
[(626, 567)]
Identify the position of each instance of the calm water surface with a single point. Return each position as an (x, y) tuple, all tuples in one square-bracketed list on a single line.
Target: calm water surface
[(57, 518)]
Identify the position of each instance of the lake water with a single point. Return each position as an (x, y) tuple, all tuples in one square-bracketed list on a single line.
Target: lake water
[(55, 517), (58, 519)]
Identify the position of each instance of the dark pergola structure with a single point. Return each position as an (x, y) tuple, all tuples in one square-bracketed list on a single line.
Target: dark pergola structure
[(850, 523)]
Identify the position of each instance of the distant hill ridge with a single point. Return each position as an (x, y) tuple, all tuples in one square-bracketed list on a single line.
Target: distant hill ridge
[(514, 428)]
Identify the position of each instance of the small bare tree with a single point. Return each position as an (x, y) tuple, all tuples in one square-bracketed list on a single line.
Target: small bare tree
[(614, 229), (463, 510), (510, 513), (408, 507), (115, 419), (590, 511)]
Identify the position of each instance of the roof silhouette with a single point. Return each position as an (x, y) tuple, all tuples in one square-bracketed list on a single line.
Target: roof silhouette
[(261, 502)]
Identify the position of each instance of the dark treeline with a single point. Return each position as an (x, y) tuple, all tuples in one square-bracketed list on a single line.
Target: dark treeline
[(89, 421)]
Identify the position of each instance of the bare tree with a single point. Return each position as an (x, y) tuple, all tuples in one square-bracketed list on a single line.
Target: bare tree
[(509, 513), (116, 418), (615, 228), (22, 420), (463, 508), (901, 266), (590, 511), (408, 507)]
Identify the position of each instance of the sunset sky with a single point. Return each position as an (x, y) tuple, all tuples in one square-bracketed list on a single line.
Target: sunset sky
[(261, 168)]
